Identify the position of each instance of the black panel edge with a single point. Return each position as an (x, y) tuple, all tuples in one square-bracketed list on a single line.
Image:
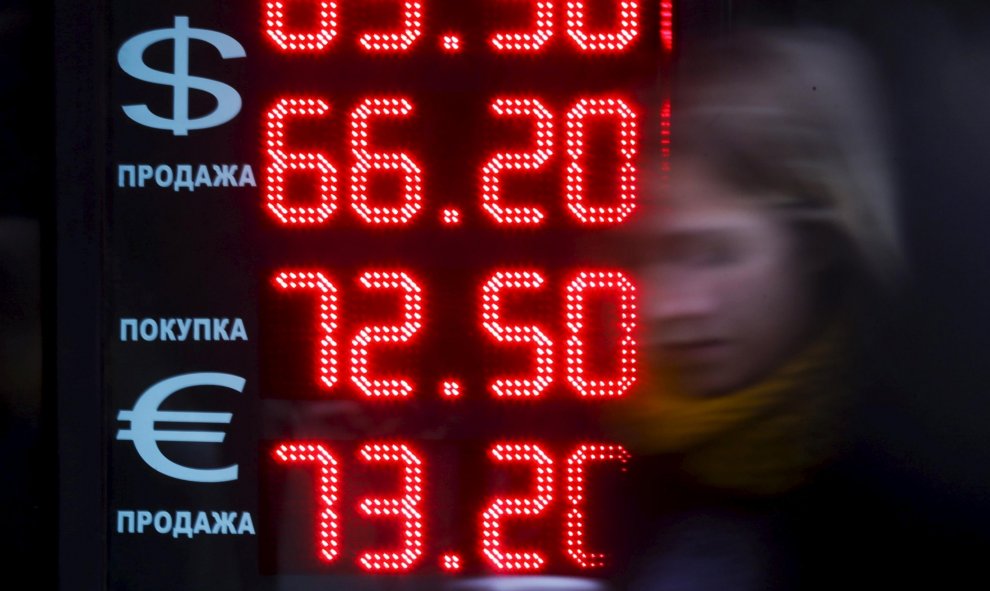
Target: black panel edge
[(80, 37)]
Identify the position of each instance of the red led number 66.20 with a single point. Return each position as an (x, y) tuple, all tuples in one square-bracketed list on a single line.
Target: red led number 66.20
[(408, 507), (410, 322), (365, 161)]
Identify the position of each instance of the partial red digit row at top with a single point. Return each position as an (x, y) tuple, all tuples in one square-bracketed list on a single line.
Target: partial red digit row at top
[(319, 32)]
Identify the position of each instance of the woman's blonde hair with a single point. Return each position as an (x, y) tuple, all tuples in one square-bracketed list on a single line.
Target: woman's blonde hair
[(795, 117)]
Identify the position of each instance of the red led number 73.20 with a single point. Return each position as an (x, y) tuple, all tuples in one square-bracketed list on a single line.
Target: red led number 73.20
[(552, 482)]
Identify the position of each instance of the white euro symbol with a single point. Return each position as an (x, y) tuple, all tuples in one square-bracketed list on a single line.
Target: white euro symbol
[(145, 414)]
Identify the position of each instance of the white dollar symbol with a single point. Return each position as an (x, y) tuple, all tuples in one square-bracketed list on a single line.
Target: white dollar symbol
[(131, 60)]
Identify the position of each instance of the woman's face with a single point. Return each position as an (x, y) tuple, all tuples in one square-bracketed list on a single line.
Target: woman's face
[(726, 297)]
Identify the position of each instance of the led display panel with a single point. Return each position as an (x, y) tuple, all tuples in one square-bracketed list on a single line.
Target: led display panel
[(356, 334)]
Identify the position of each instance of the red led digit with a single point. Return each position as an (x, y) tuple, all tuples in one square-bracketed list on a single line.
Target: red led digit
[(575, 190), (412, 315), (667, 24), (530, 41), (616, 40), (408, 508), (328, 529), (577, 372), (316, 281), (280, 162), (393, 42), (576, 544), (366, 161), (492, 321), (492, 543), (491, 191), (665, 139), (308, 42)]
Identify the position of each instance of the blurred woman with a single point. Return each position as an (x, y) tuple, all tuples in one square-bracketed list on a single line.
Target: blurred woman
[(759, 259)]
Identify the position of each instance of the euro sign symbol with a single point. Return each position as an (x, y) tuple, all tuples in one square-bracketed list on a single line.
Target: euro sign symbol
[(131, 60), (145, 414)]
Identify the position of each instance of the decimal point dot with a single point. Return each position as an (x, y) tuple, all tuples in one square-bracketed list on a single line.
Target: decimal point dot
[(450, 561), (450, 216), (450, 42), (450, 389)]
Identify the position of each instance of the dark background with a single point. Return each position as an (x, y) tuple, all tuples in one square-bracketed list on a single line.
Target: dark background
[(927, 435), (29, 494)]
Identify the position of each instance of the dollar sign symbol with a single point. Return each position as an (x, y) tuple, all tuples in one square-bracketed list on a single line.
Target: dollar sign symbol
[(131, 60)]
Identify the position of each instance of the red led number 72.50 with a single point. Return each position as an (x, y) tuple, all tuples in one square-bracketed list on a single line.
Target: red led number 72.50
[(579, 377)]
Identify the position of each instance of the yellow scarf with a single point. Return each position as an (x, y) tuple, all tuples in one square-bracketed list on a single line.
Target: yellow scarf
[(765, 439)]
